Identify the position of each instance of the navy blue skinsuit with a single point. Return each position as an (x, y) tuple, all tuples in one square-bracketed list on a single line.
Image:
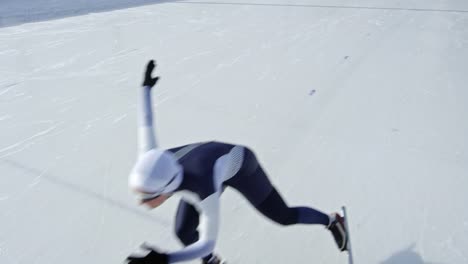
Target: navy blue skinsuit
[(206, 169), (250, 180)]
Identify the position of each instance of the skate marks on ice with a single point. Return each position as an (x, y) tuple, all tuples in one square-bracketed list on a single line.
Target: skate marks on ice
[(26, 142), (406, 256), (76, 188), (6, 88)]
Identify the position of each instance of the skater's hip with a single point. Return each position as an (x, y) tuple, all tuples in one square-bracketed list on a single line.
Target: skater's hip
[(251, 180)]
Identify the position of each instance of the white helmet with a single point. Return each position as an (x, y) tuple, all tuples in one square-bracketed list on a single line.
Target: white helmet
[(157, 171)]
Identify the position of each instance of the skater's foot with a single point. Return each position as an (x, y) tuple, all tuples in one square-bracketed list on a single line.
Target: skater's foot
[(214, 260), (338, 230)]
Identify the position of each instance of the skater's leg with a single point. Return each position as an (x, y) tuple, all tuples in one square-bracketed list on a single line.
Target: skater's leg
[(254, 184), (276, 209), (309, 215), (146, 138), (187, 221)]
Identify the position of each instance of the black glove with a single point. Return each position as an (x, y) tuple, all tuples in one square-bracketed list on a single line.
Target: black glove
[(150, 81), (153, 257)]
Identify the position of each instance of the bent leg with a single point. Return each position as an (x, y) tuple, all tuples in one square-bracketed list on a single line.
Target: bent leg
[(186, 223), (253, 183)]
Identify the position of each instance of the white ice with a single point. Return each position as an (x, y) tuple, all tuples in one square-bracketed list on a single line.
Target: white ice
[(362, 103)]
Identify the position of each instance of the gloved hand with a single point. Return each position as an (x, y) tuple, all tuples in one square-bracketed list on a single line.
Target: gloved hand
[(153, 257), (150, 81)]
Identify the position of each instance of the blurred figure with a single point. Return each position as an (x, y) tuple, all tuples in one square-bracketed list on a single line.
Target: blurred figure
[(199, 172)]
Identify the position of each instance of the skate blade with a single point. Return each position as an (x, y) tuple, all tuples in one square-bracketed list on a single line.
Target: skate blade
[(348, 237)]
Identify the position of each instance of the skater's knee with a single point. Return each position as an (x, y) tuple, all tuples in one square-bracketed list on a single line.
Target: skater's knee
[(179, 231), (276, 209), (287, 218), (285, 221), (186, 235)]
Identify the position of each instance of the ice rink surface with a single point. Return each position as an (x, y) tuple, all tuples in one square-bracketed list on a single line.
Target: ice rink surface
[(362, 103)]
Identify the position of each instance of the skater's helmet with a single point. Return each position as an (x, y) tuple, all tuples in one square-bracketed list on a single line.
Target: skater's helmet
[(156, 172)]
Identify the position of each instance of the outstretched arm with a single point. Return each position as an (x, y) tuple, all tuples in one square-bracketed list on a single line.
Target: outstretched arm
[(209, 224), (146, 136)]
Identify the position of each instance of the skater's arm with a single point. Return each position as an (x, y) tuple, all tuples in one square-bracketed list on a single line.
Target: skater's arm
[(208, 230), (146, 136)]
